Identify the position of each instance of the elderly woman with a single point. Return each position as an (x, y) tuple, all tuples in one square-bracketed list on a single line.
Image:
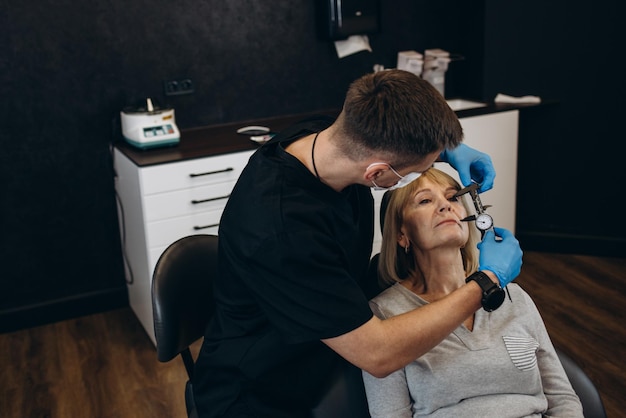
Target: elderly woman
[(497, 364)]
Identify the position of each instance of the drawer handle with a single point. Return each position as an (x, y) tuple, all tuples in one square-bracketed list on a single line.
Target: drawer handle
[(208, 173), (197, 228), (195, 202)]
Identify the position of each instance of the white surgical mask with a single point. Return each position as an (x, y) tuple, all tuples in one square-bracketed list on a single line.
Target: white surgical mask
[(404, 180)]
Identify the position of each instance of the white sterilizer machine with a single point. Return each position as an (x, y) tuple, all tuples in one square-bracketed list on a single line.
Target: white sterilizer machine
[(149, 126)]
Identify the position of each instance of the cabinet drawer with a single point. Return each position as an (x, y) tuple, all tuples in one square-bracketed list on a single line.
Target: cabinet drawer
[(187, 201), (155, 253), (192, 173), (163, 233)]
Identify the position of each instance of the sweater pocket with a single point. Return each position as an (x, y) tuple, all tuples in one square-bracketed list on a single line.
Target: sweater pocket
[(522, 351)]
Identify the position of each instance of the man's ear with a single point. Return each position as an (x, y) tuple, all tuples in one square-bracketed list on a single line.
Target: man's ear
[(374, 170)]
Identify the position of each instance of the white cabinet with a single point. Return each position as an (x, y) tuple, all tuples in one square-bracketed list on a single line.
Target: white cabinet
[(159, 204), (495, 134)]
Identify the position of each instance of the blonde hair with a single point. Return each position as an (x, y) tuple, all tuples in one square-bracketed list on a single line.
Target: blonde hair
[(395, 264)]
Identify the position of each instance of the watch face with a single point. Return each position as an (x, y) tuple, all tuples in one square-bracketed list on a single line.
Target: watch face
[(493, 300), (484, 221)]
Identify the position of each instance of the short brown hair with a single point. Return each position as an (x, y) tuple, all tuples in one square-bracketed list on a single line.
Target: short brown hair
[(398, 113)]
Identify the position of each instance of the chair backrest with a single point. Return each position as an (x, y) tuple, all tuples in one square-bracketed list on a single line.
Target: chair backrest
[(182, 293), (593, 407), (182, 302)]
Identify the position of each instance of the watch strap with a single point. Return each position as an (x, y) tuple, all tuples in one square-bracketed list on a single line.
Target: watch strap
[(493, 294), (483, 281)]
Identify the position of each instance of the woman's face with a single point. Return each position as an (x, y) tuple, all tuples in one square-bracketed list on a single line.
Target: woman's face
[(432, 218)]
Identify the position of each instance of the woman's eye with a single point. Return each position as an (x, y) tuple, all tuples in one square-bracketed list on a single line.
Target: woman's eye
[(453, 198), (424, 201)]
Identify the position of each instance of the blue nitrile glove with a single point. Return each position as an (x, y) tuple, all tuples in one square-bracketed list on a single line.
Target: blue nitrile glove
[(502, 257), (471, 165)]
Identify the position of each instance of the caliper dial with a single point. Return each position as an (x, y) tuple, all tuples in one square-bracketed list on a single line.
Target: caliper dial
[(484, 221)]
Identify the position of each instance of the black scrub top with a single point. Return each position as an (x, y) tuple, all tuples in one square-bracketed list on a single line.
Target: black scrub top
[(292, 253)]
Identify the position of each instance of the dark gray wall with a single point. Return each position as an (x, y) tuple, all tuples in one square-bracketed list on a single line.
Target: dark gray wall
[(571, 160), (68, 67)]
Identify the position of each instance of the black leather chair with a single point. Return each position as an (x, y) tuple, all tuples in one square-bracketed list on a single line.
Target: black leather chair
[(182, 303), (583, 386), (593, 407), (346, 398), (182, 300)]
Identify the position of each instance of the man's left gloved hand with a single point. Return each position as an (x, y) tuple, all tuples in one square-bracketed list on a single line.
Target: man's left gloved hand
[(471, 165)]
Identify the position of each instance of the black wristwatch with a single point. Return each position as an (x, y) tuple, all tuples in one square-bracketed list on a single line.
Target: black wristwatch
[(493, 294)]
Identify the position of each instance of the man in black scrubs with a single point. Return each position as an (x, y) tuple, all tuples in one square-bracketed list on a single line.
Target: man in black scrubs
[(294, 247)]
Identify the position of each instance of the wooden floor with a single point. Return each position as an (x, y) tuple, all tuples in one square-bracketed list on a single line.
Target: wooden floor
[(583, 302), (104, 365)]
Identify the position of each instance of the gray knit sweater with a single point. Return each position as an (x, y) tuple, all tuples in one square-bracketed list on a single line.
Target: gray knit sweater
[(505, 367)]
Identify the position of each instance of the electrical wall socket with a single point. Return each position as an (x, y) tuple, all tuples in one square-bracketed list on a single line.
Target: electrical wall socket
[(178, 87)]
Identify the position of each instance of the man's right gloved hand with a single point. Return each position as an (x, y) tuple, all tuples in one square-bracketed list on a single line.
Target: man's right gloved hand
[(502, 257)]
